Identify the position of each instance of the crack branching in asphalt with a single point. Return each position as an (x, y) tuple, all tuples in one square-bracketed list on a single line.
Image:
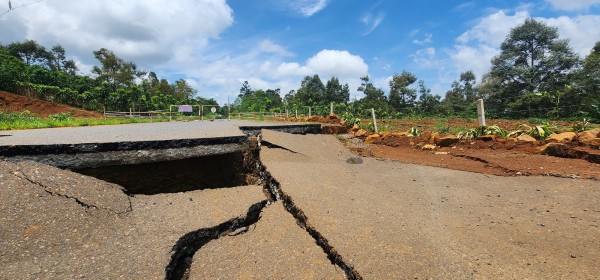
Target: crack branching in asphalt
[(190, 243), (86, 206), (186, 247), (275, 146), (273, 187)]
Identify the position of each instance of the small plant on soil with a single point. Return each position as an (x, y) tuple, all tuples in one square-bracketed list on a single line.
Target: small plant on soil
[(493, 130), (482, 130), (467, 134), (538, 131), (370, 127), (583, 125), (350, 119), (414, 131)]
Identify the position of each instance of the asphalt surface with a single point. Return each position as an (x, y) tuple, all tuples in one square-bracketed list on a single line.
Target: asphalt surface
[(55, 224), (386, 219), (130, 132), (274, 248), (392, 220)]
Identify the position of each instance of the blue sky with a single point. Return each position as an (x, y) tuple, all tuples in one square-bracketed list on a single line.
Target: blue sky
[(216, 45)]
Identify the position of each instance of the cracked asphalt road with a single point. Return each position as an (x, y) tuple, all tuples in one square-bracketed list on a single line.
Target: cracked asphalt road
[(274, 248), (112, 236), (396, 220), (385, 219)]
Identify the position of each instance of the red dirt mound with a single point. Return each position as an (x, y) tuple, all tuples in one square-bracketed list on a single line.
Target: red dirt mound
[(14, 103)]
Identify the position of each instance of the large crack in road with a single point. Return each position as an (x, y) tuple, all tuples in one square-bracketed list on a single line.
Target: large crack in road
[(188, 245)]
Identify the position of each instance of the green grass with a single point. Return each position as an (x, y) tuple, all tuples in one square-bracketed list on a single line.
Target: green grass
[(536, 121), (26, 120)]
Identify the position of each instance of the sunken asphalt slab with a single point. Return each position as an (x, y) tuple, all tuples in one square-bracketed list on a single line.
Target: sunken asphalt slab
[(391, 220)]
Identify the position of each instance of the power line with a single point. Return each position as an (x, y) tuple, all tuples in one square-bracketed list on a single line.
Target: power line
[(10, 6)]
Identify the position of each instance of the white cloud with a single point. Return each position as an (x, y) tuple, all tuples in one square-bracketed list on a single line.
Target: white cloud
[(224, 75), (492, 29), (426, 40), (342, 64), (582, 31), (573, 5), (425, 58), (475, 48), (269, 47), (307, 8), (135, 30), (372, 21)]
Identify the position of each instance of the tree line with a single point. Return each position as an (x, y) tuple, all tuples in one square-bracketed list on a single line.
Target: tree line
[(536, 74), (28, 68)]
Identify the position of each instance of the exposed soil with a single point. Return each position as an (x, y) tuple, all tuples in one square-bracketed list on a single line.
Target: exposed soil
[(505, 159), (15, 103)]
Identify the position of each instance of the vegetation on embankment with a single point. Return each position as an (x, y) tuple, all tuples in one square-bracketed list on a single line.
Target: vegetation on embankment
[(27, 120)]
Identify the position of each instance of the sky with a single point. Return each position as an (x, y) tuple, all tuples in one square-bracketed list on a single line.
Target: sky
[(216, 45)]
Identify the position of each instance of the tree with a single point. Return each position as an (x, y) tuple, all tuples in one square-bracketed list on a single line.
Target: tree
[(311, 91), (182, 91), (275, 98), (11, 71), (30, 52), (258, 101), (533, 60), (462, 95), (428, 103), (402, 97), (374, 97), (245, 89), (59, 62), (587, 84), (115, 70), (336, 92), (467, 81)]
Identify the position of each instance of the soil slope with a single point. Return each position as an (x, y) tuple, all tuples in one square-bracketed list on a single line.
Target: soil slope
[(14, 103)]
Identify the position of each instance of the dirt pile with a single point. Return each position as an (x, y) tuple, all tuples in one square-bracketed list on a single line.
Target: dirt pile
[(15, 103)]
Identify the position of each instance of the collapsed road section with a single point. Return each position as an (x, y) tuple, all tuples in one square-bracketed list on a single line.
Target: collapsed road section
[(327, 214), (175, 192)]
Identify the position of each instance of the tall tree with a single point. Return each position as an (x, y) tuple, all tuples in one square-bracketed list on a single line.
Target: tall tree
[(59, 62), (245, 89), (467, 81), (374, 97), (462, 95), (182, 91), (401, 96), (311, 91), (336, 92), (533, 60), (428, 103), (114, 70), (587, 84), (30, 52)]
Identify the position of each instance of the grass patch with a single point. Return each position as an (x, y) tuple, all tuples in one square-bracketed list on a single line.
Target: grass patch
[(26, 120)]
